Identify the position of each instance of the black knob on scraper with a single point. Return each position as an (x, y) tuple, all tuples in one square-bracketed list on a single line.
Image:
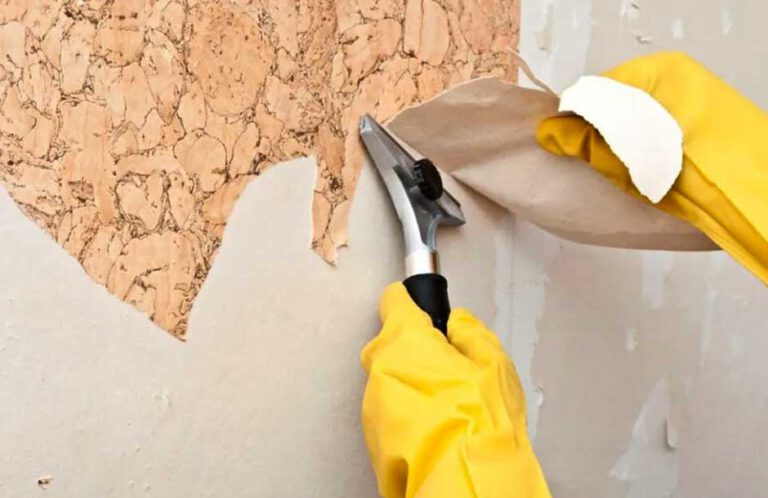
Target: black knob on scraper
[(428, 179), (430, 292)]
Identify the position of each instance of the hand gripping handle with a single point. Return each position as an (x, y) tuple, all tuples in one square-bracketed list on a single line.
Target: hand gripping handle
[(430, 292)]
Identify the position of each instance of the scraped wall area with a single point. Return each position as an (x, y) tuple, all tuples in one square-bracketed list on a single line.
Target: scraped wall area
[(645, 370)]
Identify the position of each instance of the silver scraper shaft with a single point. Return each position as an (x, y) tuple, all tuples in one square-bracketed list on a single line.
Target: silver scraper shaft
[(417, 193)]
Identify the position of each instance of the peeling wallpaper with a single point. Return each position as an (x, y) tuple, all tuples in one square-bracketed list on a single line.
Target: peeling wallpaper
[(128, 129)]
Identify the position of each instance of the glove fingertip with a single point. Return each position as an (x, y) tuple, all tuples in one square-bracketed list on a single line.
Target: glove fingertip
[(547, 135), (394, 297), (464, 324), (366, 356), (564, 135), (397, 303), (462, 316)]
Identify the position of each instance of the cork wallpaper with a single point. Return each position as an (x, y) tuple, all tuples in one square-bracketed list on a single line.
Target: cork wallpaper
[(128, 128)]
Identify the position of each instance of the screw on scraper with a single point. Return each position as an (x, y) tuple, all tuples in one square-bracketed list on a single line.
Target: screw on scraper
[(422, 204)]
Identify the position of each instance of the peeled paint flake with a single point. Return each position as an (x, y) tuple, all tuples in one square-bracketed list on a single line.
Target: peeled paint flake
[(650, 464)]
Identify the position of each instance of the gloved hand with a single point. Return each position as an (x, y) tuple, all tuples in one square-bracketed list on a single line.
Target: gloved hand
[(444, 418), (723, 187)]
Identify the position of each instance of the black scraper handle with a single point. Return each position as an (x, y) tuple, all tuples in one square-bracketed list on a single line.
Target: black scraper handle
[(430, 292)]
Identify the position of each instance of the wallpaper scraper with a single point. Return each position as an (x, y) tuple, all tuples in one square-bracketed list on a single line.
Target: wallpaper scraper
[(422, 204)]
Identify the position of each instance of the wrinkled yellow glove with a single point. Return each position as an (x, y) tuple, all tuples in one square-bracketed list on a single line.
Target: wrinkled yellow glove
[(444, 420), (723, 187)]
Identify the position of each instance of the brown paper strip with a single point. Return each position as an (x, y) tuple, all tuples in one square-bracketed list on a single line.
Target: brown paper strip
[(483, 133)]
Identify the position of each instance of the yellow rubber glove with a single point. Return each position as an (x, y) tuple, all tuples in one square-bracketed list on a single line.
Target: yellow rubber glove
[(444, 420), (723, 187)]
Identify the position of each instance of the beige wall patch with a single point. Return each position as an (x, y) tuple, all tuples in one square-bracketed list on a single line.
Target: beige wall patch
[(128, 129)]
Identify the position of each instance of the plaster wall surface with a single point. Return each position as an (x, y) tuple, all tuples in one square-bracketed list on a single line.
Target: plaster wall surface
[(645, 371), (264, 398)]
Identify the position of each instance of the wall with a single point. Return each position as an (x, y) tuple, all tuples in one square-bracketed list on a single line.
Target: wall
[(645, 371), (647, 367), (264, 397)]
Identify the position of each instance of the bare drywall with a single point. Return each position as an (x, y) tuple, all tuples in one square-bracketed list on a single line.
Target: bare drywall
[(647, 368), (264, 398)]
